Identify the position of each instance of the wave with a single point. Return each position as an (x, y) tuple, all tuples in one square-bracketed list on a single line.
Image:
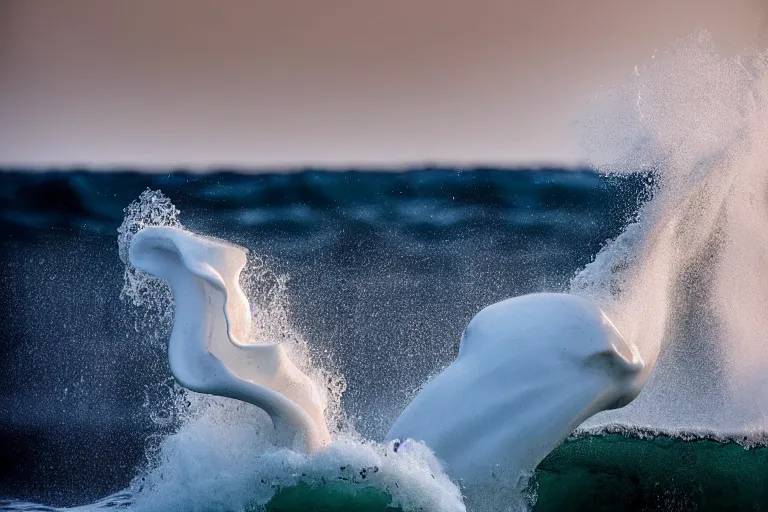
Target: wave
[(636, 469), (428, 201), (616, 468), (702, 434)]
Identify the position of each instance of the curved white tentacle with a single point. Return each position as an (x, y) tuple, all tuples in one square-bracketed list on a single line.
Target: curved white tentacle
[(529, 371), (208, 350)]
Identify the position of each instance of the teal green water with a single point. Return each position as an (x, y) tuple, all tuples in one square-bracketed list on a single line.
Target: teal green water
[(603, 473), (617, 472), (331, 498)]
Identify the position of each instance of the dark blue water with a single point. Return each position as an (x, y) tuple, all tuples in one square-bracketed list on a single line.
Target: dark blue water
[(385, 271)]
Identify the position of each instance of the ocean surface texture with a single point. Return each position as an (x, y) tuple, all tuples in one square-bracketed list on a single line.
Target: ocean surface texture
[(379, 273)]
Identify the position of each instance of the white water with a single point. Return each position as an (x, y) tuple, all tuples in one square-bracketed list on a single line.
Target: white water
[(688, 282)]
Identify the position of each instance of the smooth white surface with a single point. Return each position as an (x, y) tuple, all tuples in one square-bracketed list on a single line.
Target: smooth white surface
[(529, 371), (209, 350)]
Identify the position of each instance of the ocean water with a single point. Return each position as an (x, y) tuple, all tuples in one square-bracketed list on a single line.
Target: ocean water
[(370, 278), (87, 394), (370, 286)]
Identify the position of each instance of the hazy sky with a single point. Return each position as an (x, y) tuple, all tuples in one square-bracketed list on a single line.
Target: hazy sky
[(326, 82)]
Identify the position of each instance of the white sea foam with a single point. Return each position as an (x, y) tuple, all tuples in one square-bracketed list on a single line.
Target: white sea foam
[(688, 281), (222, 458)]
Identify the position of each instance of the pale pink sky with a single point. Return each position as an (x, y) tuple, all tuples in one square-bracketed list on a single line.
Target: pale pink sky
[(261, 83)]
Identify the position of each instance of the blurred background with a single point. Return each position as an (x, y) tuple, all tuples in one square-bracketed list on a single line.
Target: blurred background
[(290, 83)]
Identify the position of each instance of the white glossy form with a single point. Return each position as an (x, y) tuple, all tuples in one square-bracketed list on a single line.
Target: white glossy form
[(529, 371), (209, 350)]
